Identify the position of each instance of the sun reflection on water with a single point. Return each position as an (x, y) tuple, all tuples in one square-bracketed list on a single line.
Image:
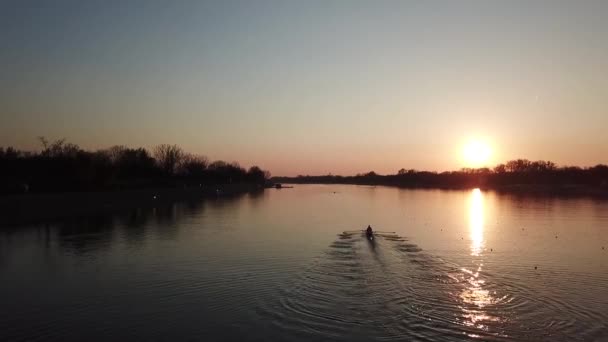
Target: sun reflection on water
[(476, 222), (474, 296)]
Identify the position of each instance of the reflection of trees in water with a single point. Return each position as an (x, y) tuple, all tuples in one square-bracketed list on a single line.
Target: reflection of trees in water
[(193, 207), (86, 234), (256, 194), (551, 204), (255, 197), (134, 225), (166, 214), (166, 219), (5, 241), (83, 234)]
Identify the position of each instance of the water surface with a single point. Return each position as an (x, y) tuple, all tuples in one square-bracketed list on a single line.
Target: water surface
[(277, 266)]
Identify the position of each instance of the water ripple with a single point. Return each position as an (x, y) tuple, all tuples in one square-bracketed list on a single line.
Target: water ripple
[(393, 290)]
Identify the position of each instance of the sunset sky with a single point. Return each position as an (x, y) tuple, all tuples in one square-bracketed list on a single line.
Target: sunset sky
[(312, 87)]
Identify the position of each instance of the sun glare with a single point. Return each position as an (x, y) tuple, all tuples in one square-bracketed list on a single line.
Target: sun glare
[(476, 153)]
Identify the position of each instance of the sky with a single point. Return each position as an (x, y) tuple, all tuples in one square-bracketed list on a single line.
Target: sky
[(311, 87)]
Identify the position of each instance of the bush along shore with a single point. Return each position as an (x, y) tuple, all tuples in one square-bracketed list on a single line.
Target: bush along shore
[(518, 176)]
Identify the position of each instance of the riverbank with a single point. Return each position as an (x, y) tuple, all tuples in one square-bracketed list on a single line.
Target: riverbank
[(31, 208), (567, 190)]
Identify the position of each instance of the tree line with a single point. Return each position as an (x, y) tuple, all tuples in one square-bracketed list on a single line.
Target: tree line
[(515, 173), (61, 166)]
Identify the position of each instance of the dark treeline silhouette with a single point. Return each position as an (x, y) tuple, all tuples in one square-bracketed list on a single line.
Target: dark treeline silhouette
[(64, 167), (515, 174)]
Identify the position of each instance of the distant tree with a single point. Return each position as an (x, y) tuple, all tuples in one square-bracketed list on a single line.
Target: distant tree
[(519, 165), (599, 169), (541, 166), (60, 166), (44, 142), (168, 157), (257, 175), (114, 153), (11, 153), (133, 163), (401, 172), (500, 168), (193, 165), (600, 172), (58, 148), (218, 164), (222, 172), (572, 169)]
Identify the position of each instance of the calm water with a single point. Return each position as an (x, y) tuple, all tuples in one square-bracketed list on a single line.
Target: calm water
[(460, 265)]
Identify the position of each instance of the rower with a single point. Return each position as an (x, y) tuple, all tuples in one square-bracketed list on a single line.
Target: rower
[(369, 230)]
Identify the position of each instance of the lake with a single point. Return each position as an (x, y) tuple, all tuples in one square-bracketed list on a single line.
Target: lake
[(278, 266)]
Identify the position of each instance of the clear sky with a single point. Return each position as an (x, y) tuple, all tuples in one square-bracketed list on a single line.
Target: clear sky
[(311, 87)]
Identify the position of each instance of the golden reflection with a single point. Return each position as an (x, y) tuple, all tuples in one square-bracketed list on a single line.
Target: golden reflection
[(474, 296), (476, 222)]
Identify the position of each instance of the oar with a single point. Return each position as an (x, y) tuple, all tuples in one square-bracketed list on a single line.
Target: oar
[(363, 230)]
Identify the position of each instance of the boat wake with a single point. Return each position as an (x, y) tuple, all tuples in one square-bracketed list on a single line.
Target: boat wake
[(390, 289)]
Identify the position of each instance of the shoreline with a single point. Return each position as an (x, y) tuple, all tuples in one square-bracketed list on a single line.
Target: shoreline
[(22, 209), (32, 208), (565, 190)]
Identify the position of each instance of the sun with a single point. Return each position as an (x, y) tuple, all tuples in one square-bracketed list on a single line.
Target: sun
[(476, 153)]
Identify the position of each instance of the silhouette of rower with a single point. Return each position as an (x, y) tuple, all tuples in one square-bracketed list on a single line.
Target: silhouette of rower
[(369, 230)]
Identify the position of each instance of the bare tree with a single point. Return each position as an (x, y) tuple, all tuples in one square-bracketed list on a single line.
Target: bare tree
[(519, 165), (58, 148), (168, 157), (193, 165), (500, 168), (115, 152)]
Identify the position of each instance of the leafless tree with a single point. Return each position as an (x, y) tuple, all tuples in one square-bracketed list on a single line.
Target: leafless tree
[(58, 148), (168, 157), (193, 165)]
